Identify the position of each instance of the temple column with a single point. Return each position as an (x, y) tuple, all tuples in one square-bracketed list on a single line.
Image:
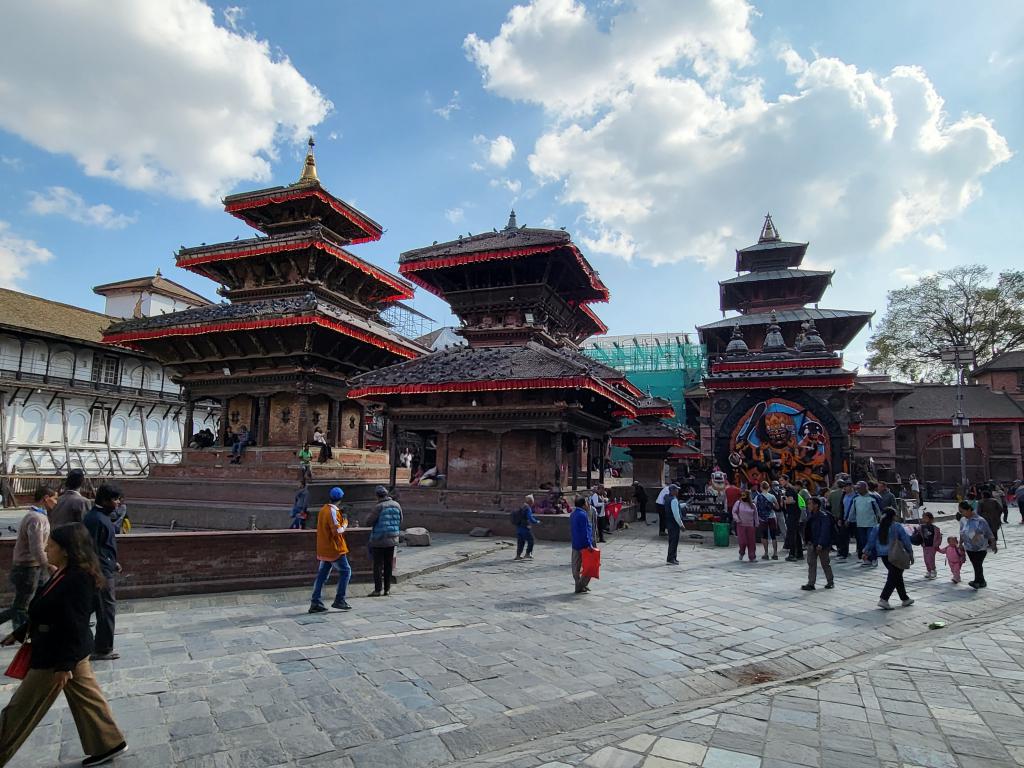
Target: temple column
[(391, 434), (590, 464), (575, 463), (559, 435), (222, 430), (187, 393), (600, 467), (497, 463), (334, 422), (302, 403), (263, 406)]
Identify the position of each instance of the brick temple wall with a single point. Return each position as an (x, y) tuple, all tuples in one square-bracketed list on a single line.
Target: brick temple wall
[(471, 460), (164, 564), (284, 432)]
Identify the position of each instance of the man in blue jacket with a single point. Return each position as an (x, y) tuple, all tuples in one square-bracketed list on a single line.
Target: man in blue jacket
[(582, 538), (101, 529)]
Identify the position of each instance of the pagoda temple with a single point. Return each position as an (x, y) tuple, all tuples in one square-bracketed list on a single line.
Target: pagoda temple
[(768, 278), (775, 400), (650, 440), (300, 316), (519, 408)]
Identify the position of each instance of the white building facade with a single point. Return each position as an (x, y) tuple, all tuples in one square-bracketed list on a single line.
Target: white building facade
[(68, 401)]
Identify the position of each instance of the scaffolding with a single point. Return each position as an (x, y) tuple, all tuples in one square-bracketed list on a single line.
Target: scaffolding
[(661, 364), (406, 320)]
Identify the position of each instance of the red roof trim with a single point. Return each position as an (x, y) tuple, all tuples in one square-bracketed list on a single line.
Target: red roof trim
[(441, 262), (131, 338), (667, 412), (794, 383), (770, 365), (401, 291), (946, 422), (666, 441), (602, 328), (371, 230), (571, 382)]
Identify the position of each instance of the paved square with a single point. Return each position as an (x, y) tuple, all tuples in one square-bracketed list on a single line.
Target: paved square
[(718, 664)]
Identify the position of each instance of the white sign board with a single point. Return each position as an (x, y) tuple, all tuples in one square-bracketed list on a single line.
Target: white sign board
[(968, 440)]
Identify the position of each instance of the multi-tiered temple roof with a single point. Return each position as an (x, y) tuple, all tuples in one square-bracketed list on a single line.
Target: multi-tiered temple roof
[(771, 281), (300, 302)]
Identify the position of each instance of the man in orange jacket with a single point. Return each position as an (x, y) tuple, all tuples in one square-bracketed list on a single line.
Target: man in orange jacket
[(332, 552)]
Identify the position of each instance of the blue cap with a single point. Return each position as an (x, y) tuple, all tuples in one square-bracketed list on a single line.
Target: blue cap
[(336, 494)]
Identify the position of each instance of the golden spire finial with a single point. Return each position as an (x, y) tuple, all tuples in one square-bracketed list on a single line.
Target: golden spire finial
[(309, 168)]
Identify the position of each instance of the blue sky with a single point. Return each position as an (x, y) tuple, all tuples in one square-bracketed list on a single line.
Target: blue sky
[(657, 132)]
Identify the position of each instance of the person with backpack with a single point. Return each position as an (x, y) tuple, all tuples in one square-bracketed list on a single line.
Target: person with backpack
[(865, 514), (818, 533), (673, 523), (889, 541), (768, 519), (522, 519), (598, 503), (299, 507), (662, 500), (744, 512), (929, 538)]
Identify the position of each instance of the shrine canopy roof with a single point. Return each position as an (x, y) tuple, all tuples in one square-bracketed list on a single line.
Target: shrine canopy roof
[(530, 366), (301, 204), (648, 434), (255, 316), (340, 270), (837, 327), (773, 288), (770, 251), (523, 255)]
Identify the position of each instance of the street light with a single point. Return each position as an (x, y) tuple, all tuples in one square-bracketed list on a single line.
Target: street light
[(961, 356)]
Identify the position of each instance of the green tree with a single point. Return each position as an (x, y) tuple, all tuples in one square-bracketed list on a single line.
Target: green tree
[(952, 307)]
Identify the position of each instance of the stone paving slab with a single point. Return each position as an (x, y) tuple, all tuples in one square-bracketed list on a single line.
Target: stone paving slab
[(495, 662)]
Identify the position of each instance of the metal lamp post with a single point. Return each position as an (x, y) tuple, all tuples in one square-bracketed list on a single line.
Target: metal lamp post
[(961, 356)]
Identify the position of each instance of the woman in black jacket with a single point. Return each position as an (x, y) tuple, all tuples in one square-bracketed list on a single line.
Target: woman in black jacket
[(58, 628)]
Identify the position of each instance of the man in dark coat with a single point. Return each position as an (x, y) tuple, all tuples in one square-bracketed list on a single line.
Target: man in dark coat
[(640, 495), (818, 534), (101, 529)]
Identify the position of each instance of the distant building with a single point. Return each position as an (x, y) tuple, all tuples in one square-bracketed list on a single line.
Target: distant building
[(67, 400)]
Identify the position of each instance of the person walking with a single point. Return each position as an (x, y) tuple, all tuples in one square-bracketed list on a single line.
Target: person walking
[(837, 508), (582, 536), (955, 557), (332, 553), (29, 566), (768, 519), (931, 540), (72, 506), (883, 539), (640, 497), (744, 512), (662, 500), (673, 524), (886, 498), (300, 512), (597, 504), (385, 524), (101, 528), (865, 514), (990, 509), (977, 538), (58, 628), (915, 489), (790, 500), (732, 494), (818, 534), (523, 519)]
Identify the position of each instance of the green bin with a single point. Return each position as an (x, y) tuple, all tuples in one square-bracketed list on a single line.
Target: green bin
[(721, 534)]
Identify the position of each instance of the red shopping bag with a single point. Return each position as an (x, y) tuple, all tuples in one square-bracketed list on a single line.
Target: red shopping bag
[(591, 563), (19, 665)]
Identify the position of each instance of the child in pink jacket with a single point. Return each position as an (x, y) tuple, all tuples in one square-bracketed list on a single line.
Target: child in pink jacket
[(955, 556)]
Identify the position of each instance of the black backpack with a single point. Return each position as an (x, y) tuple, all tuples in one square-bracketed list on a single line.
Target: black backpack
[(517, 517)]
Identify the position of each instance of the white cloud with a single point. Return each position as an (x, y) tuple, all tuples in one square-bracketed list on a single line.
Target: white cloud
[(512, 185), (155, 96), (454, 105), (14, 163), (455, 215), (17, 254), (499, 150), (232, 15), (61, 201), (673, 151)]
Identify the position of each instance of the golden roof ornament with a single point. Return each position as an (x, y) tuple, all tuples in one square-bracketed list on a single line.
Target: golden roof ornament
[(309, 175)]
